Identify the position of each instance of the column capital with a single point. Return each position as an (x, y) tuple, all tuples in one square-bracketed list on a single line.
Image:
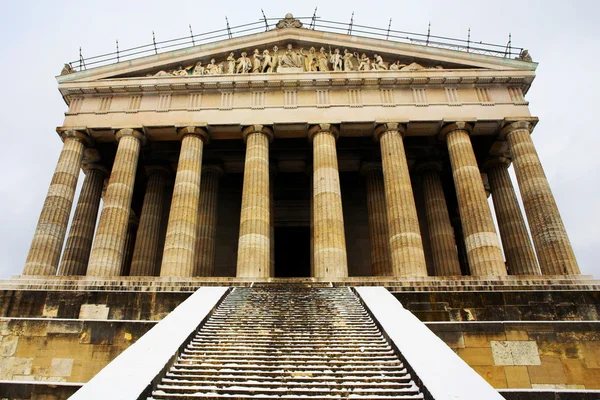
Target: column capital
[(330, 128), (193, 130), (492, 162), (428, 165), (257, 128), (526, 124), (365, 167), (387, 127), (455, 126), (95, 167), (214, 168), (158, 169), (78, 133), (139, 135)]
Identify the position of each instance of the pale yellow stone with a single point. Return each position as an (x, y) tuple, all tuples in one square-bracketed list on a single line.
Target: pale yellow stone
[(107, 254), (483, 247), (406, 246), (515, 239), (182, 230), (254, 244), (46, 246), (329, 247), (552, 245)]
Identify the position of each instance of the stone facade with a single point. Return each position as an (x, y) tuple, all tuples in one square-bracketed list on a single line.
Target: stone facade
[(240, 171)]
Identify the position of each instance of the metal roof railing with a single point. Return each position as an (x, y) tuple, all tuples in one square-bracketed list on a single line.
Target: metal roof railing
[(315, 23)]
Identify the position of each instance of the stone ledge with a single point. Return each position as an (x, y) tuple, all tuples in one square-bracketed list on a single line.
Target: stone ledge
[(519, 394), (37, 390)]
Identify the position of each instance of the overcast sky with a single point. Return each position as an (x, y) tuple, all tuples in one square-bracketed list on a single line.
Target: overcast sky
[(37, 38)]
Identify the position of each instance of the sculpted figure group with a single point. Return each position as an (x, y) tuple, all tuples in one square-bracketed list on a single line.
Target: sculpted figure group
[(292, 60)]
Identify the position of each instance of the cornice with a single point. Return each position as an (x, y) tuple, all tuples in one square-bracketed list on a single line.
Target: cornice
[(424, 78)]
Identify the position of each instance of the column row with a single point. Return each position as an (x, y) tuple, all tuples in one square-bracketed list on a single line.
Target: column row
[(396, 243)]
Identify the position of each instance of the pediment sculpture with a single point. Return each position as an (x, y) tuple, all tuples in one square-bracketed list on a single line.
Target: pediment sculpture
[(293, 60)]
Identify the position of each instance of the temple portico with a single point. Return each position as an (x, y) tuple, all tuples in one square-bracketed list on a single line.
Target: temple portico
[(206, 152)]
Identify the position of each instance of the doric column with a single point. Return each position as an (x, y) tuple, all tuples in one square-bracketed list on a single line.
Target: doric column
[(254, 246), (49, 236), (207, 220), (130, 239), (182, 230), (513, 232), (441, 233), (381, 263), (272, 175), (330, 258), (107, 253), (145, 253), (406, 247), (483, 248), (552, 244), (81, 235)]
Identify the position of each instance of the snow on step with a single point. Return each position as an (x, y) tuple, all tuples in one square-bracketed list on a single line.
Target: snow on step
[(288, 342)]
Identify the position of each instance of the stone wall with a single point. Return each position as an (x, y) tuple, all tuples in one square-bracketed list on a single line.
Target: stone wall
[(62, 350), (538, 355), (526, 305)]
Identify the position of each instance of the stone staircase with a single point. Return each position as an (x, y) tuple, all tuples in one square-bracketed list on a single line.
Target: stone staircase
[(288, 342)]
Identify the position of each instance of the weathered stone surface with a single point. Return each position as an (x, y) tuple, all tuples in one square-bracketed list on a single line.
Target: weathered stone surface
[(515, 239), (207, 223), (145, 253), (93, 311), (329, 248), (550, 238), (79, 243), (483, 248), (47, 242), (254, 245), (406, 247), (108, 250)]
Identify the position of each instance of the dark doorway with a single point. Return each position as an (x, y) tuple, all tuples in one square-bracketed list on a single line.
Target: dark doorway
[(292, 251)]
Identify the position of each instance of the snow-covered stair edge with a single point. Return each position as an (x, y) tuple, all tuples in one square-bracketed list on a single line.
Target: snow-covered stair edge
[(442, 373), (129, 375)]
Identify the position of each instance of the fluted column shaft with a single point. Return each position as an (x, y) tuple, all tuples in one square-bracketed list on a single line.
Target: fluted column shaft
[(483, 248), (330, 258), (129, 247), (441, 233), (254, 245), (44, 253), (145, 252), (513, 232), (207, 221), (81, 235), (180, 242), (381, 263), (552, 244), (406, 246), (108, 250)]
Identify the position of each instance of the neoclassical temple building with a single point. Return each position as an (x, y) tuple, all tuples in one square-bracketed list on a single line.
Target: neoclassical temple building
[(298, 156)]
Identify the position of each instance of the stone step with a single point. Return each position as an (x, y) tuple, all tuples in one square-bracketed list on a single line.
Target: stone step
[(363, 376), (218, 364), (276, 349), (271, 373), (287, 397), (223, 382), (235, 352), (283, 390)]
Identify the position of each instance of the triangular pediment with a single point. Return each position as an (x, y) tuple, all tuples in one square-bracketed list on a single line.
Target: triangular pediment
[(303, 55)]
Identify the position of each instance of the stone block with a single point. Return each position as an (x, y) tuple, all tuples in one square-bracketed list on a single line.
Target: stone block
[(11, 366), (515, 352), (517, 377), (8, 346), (549, 371), (50, 310), (476, 356), (61, 367), (66, 327), (93, 311), (516, 335), (482, 339), (492, 374), (591, 354)]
